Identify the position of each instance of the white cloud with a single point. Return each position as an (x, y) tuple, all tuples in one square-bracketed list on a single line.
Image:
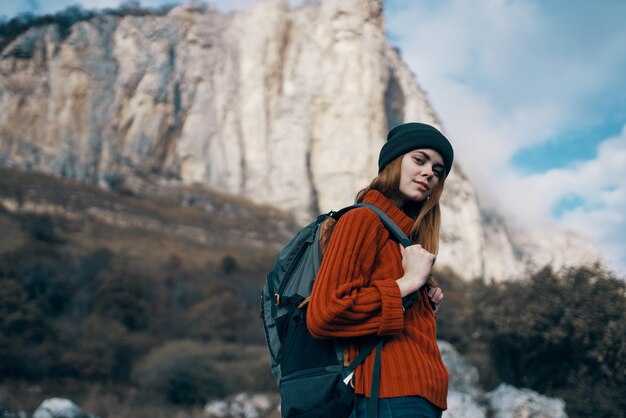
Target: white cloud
[(605, 219)]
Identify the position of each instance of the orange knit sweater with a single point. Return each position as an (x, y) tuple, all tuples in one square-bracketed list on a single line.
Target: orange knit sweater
[(356, 296)]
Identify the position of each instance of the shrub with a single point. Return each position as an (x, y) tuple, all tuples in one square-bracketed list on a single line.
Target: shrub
[(562, 336), (456, 323), (101, 350), (221, 315), (22, 330), (121, 296), (19, 316), (229, 264), (182, 372), (243, 367), (40, 227), (47, 276)]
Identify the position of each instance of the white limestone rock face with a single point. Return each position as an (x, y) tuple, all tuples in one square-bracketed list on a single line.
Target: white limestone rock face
[(285, 106), (503, 259), (462, 246)]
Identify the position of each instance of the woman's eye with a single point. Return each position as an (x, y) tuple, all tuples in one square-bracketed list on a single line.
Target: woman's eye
[(438, 172), (418, 160)]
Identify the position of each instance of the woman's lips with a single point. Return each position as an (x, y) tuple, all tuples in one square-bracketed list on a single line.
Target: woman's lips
[(422, 186)]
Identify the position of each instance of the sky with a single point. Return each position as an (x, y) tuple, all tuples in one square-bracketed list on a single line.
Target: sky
[(532, 94)]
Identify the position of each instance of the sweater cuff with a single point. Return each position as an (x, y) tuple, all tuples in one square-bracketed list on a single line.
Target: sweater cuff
[(392, 315)]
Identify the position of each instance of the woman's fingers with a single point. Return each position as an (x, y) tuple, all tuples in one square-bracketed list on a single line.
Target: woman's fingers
[(436, 294)]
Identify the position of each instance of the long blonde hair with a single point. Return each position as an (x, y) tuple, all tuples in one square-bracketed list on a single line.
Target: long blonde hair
[(426, 214)]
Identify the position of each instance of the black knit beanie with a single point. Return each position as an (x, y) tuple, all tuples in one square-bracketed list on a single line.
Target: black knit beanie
[(409, 136)]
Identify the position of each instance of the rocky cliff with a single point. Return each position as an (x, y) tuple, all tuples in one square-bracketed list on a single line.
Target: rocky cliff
[(285, 106)]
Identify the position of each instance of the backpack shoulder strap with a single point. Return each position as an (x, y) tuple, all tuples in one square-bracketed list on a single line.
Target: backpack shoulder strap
[(398, 234)]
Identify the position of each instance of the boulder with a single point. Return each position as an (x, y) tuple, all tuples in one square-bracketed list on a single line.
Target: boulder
[(463, 376), (242, 405), (462, 405), (58, 408), (465, 395), (511, 402)]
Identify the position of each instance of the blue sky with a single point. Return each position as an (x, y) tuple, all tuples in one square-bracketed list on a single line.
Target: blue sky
[(532, 94)]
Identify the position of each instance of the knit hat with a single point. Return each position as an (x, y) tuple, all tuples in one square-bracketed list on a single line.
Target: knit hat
[(409, 136)]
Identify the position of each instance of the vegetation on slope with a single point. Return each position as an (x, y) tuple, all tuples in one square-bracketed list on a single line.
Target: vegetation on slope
[(561, 335), (95, 303)]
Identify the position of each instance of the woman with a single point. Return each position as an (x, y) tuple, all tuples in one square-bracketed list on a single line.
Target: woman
[(365, 274)]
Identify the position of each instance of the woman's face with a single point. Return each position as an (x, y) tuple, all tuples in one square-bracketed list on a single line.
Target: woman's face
[(422, 169)]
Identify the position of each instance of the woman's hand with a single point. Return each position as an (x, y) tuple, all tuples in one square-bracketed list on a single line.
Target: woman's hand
[(436, 296), (417, 264)]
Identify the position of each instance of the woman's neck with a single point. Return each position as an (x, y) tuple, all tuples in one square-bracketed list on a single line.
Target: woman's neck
[(411, 208)]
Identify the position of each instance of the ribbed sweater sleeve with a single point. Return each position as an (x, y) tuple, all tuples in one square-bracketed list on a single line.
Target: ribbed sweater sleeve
[(346, 301)]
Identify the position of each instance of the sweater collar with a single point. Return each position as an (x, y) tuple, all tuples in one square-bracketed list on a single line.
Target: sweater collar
[(379, 200)]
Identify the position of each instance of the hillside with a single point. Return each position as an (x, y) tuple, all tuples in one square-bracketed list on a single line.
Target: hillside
[(95, 283), (181, 218)]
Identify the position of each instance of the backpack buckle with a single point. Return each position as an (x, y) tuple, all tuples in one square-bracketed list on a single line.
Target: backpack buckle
[(277, 298)]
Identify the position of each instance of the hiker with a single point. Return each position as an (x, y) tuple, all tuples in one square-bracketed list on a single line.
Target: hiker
[(364, 275)]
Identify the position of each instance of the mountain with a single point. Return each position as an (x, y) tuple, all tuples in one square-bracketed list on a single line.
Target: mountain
[(286, 107)]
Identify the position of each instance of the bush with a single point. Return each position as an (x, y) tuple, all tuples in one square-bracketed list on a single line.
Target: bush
[(121, 296), (40, 227), (562, 336), (19, 316), (229, 264), (182, 372), (456, 323), (243, 367), (101, 350), (22, 330), (47, 274), (221, 315)]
